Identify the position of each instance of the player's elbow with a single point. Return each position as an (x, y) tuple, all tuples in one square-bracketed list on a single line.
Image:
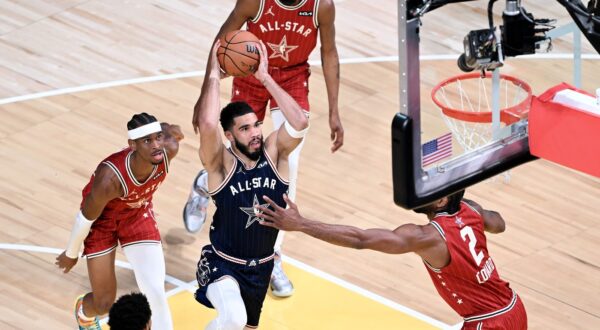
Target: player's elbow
[(494, 223), (206, 124), (500, 228), (302, 123)]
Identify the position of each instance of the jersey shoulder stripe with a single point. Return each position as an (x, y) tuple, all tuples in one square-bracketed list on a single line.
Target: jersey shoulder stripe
[(227, 178), (119, 176), (274, 167), (439, 229), (261, 8)]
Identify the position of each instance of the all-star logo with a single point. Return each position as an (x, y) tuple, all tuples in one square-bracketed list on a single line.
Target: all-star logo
[(458, 221), (138, 204), (281, 50), (253, 211)]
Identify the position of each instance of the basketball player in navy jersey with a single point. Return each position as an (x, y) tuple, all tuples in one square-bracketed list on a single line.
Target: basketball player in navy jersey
[(117, 209), (289, 29), (234, 270), (453, 248)]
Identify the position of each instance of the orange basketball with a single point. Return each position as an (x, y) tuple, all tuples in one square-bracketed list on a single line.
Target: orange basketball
[(238, 54)]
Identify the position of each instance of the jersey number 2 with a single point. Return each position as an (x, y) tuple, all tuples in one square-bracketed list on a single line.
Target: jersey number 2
[(467, 233)]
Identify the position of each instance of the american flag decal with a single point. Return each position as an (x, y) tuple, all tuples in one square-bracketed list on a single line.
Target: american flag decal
[(437, 149)]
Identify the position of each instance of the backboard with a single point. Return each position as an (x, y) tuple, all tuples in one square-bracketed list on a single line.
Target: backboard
[(421, 128)]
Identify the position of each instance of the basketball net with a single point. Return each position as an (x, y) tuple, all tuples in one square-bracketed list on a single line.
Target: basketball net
[(477, 109)]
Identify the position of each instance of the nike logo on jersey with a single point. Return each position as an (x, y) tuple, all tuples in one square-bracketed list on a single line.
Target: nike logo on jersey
[(254, 183), (253, 211)]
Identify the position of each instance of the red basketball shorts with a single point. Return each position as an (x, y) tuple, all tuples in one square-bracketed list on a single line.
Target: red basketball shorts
[(514, 319), (106, 233), (294, 80)]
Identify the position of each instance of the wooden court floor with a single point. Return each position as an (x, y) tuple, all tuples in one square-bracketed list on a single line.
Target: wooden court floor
[(50, 144)]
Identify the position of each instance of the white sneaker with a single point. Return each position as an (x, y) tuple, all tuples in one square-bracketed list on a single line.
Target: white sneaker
[(194, 212), (281, 286)]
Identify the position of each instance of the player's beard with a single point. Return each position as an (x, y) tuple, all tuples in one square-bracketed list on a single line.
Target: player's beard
[(288, 2), (246, 150)]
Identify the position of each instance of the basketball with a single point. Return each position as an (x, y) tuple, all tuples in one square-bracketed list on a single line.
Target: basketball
[(238, 55)]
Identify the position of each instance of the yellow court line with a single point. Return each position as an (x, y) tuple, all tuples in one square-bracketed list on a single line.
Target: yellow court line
[(316, 304)]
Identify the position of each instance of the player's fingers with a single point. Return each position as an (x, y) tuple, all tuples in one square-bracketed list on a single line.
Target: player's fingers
[(216, 46), (288, 201), (266, 223), (267, 217), (265, 211), (272, 203)]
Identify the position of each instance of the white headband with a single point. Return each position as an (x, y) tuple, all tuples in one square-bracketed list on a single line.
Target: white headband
[(142, 131)]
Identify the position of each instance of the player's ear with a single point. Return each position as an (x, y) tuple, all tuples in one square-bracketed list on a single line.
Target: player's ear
[(441, 203), (229, 136), (132, 144)]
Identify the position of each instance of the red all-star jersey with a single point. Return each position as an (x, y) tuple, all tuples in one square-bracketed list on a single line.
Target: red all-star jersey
[(137, 195), (289, 32), (470, 284)]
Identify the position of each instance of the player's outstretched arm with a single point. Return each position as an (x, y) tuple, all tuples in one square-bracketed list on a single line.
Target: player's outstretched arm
[(106, 187), (492, 220), (406, 238), (290, 134), (211, 144), (331, 69), (243, 11), (172, 136)]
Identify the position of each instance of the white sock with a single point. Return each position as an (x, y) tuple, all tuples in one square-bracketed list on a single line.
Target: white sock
[(148, 262), (226, 298)]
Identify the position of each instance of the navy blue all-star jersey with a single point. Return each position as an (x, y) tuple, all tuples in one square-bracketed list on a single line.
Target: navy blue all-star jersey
[(235, 230)]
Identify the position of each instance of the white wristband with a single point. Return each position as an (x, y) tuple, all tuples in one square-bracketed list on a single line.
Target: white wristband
[(81, 229), (293, 132)]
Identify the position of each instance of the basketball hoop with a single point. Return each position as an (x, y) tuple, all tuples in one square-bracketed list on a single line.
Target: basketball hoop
[(466, 105)]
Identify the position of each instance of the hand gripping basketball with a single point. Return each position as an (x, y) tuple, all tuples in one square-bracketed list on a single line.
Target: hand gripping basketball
[(238, 54)]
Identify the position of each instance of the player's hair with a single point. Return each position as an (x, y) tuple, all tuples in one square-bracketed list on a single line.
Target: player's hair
[(130, 312), (140, 119), (454, 202), (231, 111)]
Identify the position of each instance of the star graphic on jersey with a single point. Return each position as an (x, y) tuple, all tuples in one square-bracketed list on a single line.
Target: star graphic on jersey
[(459, 301), (458, 222), (454, 295), (214, 269), (252, 211), (281, 50)]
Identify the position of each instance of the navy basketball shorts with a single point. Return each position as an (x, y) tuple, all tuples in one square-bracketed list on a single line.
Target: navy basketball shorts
[(253, 279)]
